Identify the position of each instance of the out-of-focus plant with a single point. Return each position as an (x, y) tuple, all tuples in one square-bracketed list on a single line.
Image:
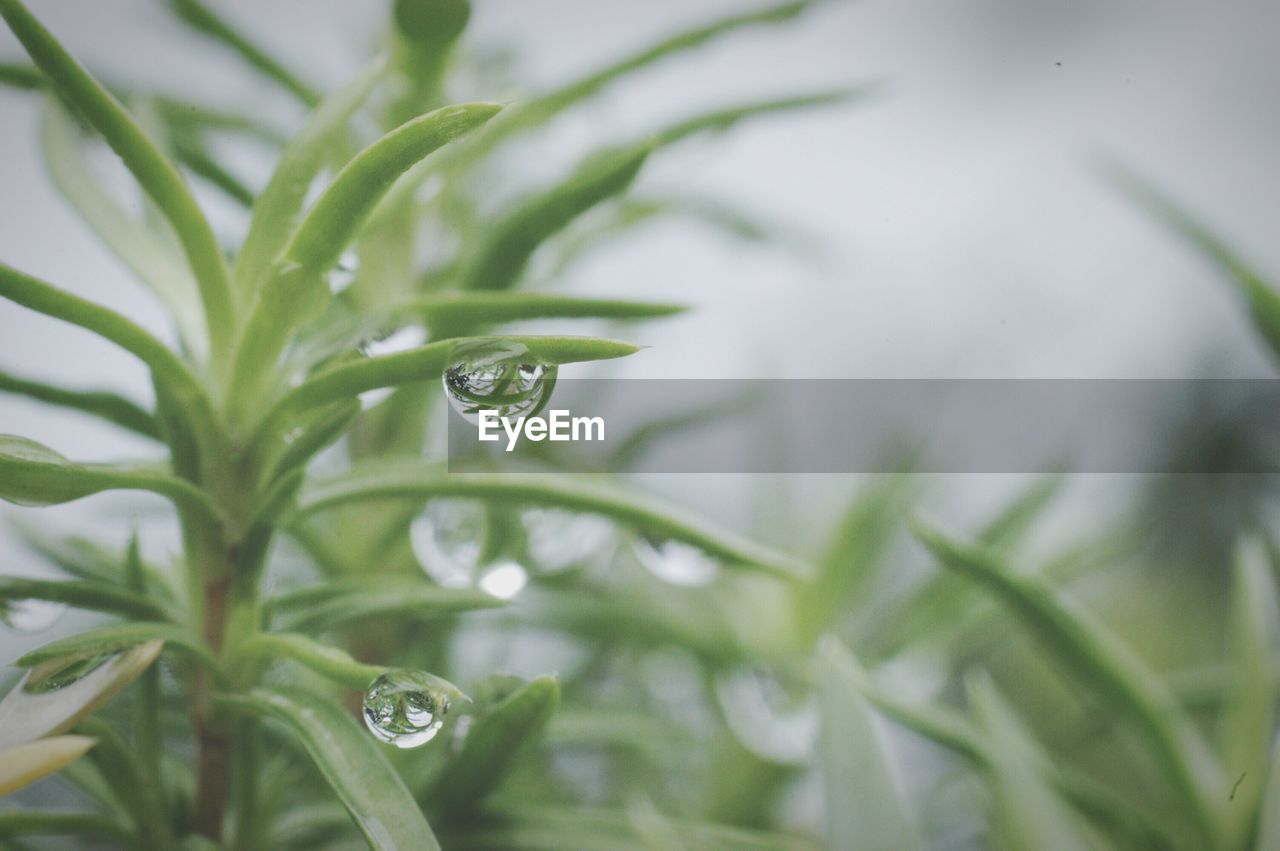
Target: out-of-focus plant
[(369, 263)]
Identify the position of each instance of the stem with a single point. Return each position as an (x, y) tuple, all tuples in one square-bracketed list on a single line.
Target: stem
[(213, 763)]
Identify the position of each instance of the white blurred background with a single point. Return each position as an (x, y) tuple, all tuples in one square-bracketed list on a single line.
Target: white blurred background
[(962, 230)]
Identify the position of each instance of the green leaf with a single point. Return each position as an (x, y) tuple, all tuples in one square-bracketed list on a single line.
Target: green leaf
[(20, 76), (29, 715), (494, 743), (204, 20), (500, 258), (149, 253), (428, 363), (865, 805), (296, 290), (278, 207), (1029, 812), (108, 406), (27, 763), (33, 474), (1117, 678), (15, 823), (459, 314), (109, 639), (1261, 298), (1269, 814), (159, 179), (350, 761), (167, 369), (403, 479), (331, 662), (724, 119), (334, 604), (83, 594), (1249, 715)]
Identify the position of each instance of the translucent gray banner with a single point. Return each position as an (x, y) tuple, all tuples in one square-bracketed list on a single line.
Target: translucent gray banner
[(884, 426)]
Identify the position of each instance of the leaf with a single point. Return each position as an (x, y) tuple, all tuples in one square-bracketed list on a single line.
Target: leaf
[(296, 290), (1030, 814), (331, 662), (109, 639), (14, 823), (350, 761), (494, 743), (328, 607), (26, 716), (83, 594), (28, 762), (428, 363), (167, 369), (1269, 815), (157, 176), (1249, 715), (156, 260), (459, 314), (20, 76), (204, 20), (865, 805), (33, 474), (723, 119), (1260, 297), (403, 479), (1117, 678), (277, 208), (500, 258), (108, 406)]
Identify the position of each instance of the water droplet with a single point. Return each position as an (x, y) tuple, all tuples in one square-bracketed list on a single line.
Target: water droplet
[(405, 708), (503, 579), (447, 539), (72, 672), (558, 540), (676, 562), (344, 272), (772, 714), (30, 615), (497, 375)]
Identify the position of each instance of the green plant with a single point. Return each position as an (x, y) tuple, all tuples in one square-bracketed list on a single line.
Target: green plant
[(268, 373)]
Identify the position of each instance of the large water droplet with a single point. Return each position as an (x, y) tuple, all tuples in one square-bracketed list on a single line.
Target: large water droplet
[(72, 672), (30, 615), (405, 708), (447, 539), (558, 540), (676, 562), (497, 375), (503, 579), (772, 714), (343, 274)]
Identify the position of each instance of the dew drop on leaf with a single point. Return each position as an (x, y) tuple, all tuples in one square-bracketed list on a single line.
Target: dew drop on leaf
[(497, 375), (447, 538), (68, 674), (676, 562), (404, 708), (30, 615)]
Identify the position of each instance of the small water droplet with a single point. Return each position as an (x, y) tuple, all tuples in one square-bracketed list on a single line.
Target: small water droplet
[(30, 615), (447, 538), (497, 375), (773, 715), (71, 672), (503, 579), (557, 540), (344, 272), (677, 562), (404, 708)]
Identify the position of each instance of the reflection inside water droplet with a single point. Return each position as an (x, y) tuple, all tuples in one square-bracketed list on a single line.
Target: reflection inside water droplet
[(557, 540), (503, 579), (676, 562), (404, 708), (30, 615), (65, 675), (497, 375), (447, 538)]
